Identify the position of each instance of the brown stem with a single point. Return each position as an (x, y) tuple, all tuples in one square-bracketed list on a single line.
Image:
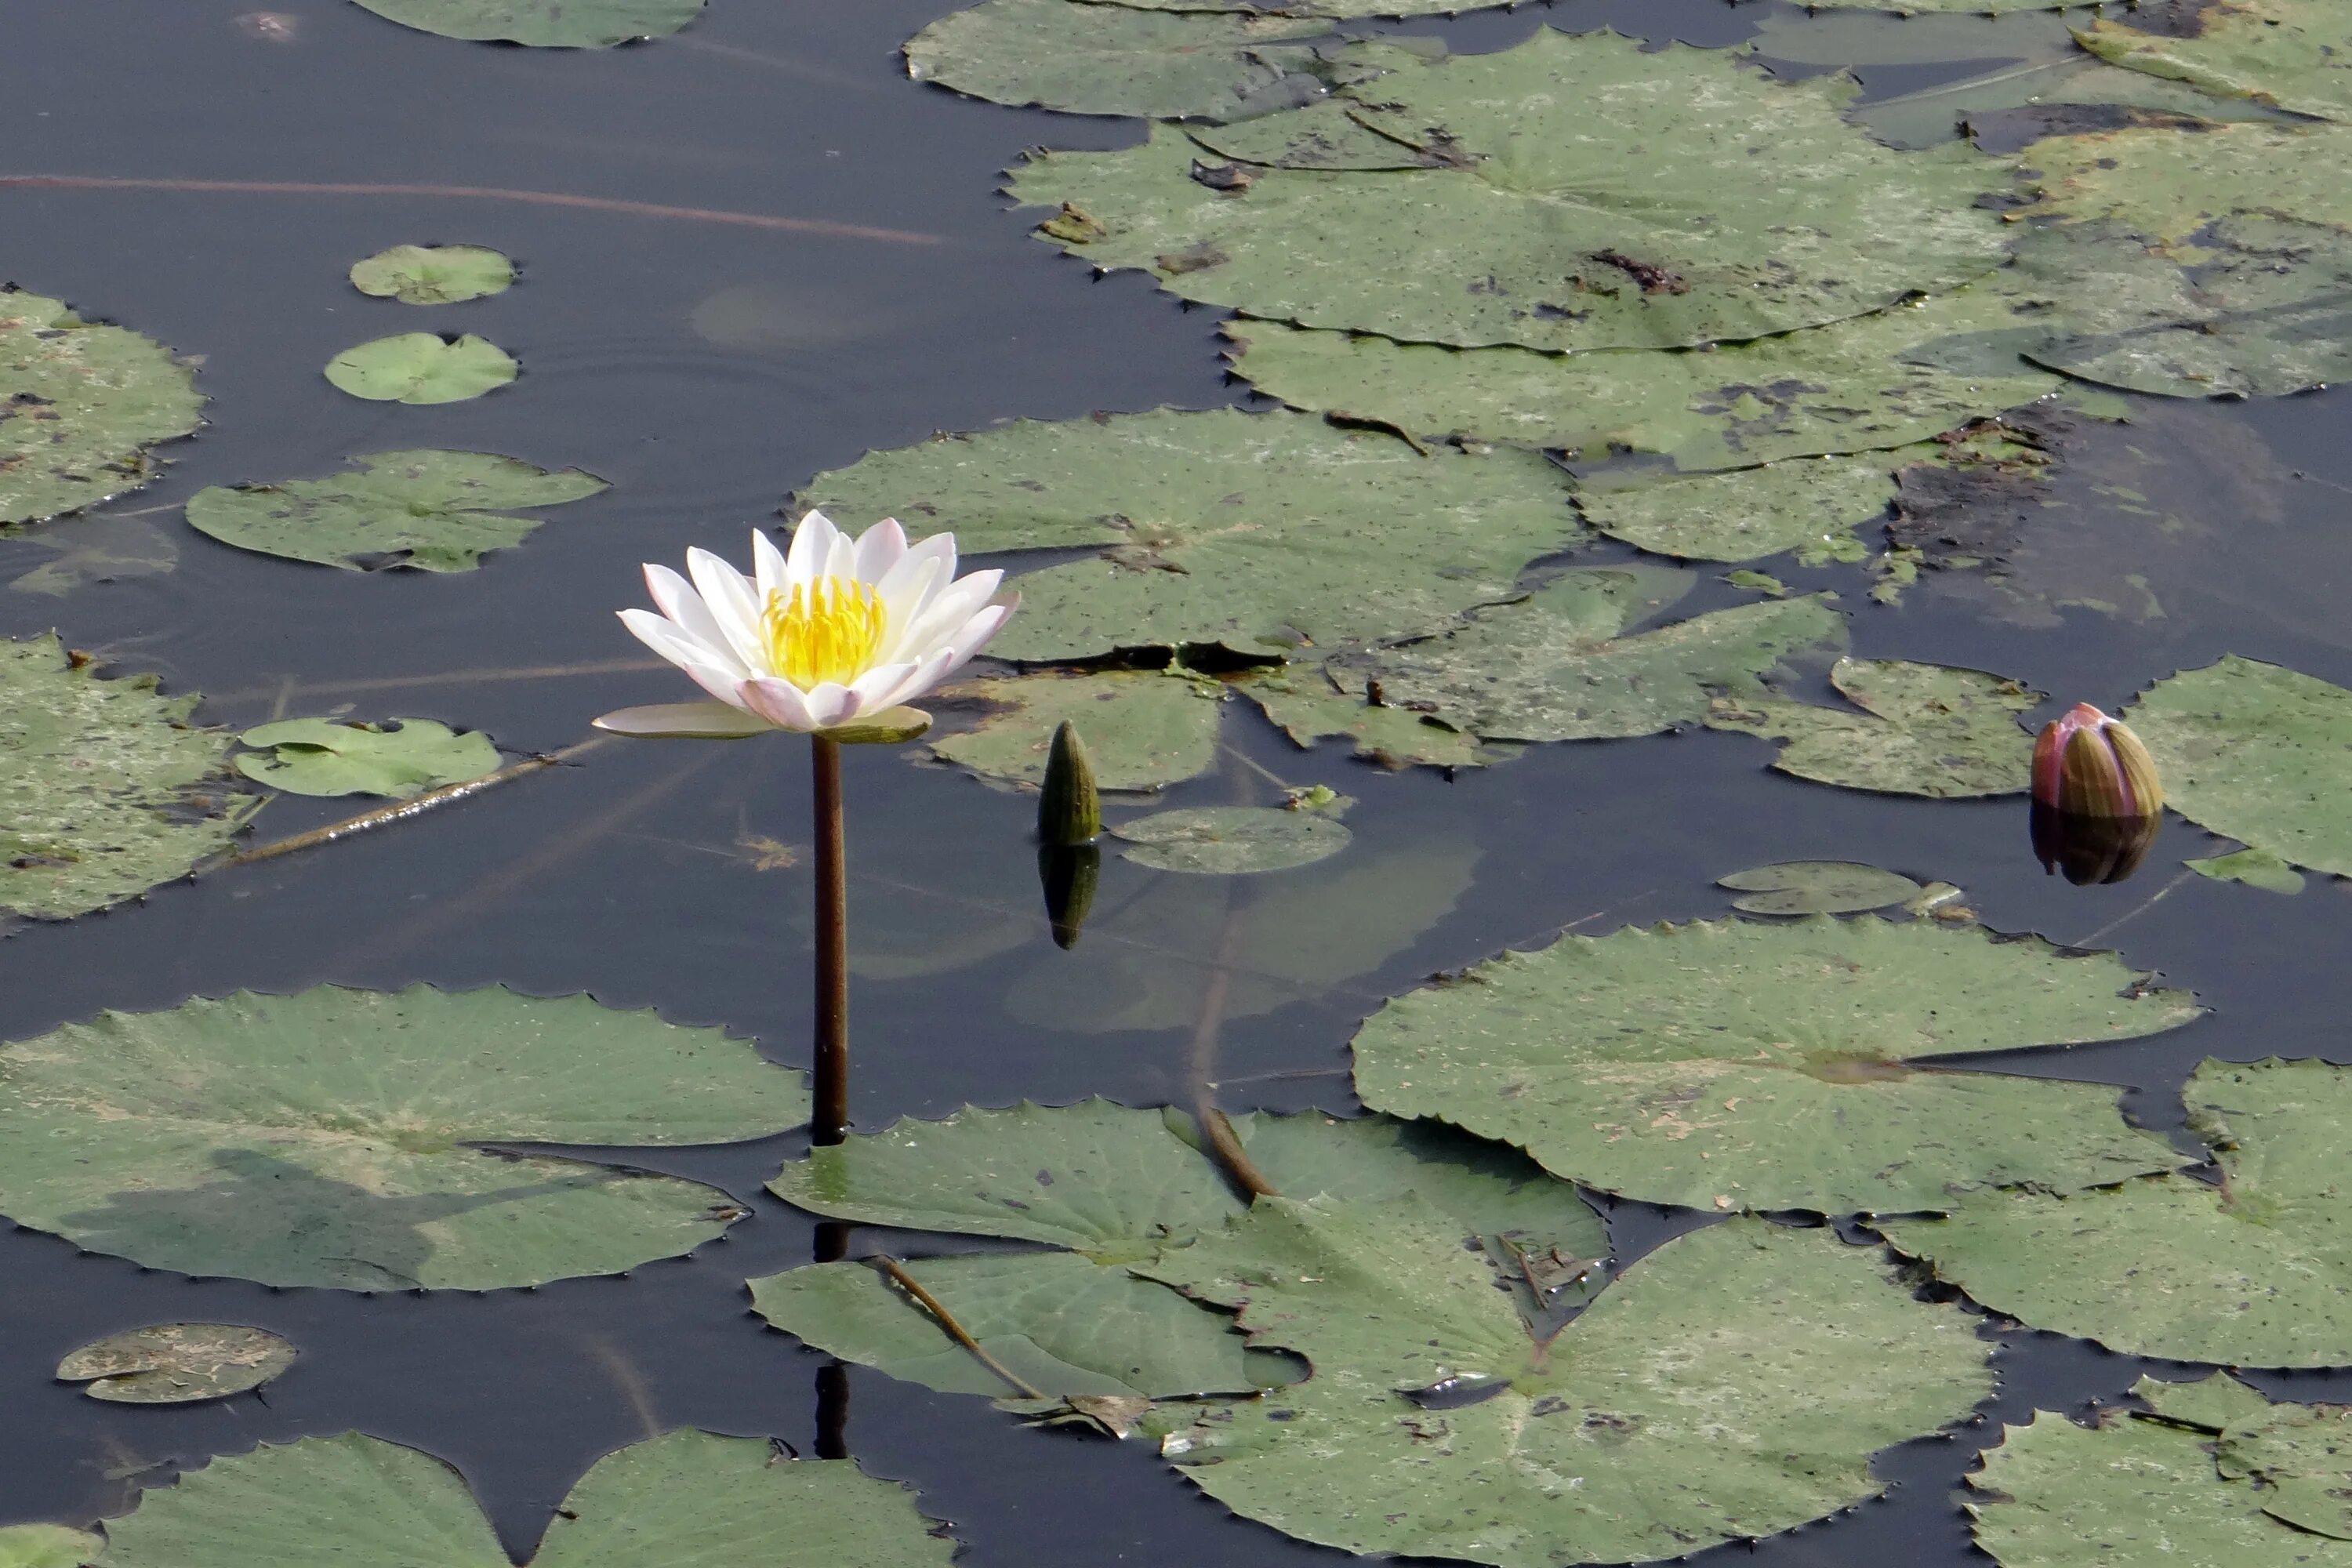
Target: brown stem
[(831, 1123), (956, 1331), (473, 192), (1225, 1145), (416, 805)]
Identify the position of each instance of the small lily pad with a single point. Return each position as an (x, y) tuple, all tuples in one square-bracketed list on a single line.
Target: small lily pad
[(1923, 729), (1817, 888), (2254, 868), (422, 367), (433, 274), (328, 757), (2256, 751), (79, 406), (542, 24), (1224, 840), (46, 1546), (178, 1363)]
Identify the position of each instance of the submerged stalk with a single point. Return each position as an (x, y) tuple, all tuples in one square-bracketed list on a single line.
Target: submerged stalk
[(830, 1123)]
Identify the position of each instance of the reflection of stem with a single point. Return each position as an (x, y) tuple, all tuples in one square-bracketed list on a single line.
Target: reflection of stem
[(832, 1244), (2152, 898), (630, 1381), (443, 678), (415, 806), (831, 1123), (1224, 1145), (937, 1310)]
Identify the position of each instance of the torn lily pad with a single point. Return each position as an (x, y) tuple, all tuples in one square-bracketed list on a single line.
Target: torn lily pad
[(434, 274), (434, 510), (1309, 704), (1145, 728), (79, 406), (685, 1496), (1714, 1392), (178, 1363), (2287, 54), (2254, 868), (423, 368), (2256, 1272), (1228, 840), (330, 757), (1522, 230), (1736, 1065), (106, 788), (1924, 729), (542, 24), (1260, 533), (366, 1139), (1818, 887), (2255, 751)]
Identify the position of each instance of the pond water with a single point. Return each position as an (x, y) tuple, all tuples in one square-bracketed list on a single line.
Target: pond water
[(706, 366)]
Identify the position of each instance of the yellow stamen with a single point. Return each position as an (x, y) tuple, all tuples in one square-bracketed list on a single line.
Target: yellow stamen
[(828, 631)]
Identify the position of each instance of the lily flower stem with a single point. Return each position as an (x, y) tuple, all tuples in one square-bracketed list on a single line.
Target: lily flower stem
[(831, 1121), (955, 1330), (1225, 1144)]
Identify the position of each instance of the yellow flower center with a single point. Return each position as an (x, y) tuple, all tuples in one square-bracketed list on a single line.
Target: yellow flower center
[(830, 630)]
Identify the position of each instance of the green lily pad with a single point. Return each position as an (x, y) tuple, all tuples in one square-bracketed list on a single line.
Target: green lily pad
[(324, 756), (1325, 8), (1310, 703), (1260, 533), (1807, 505), (79, 406), (177, 1363), (2302, 1454), (1738, 1065), (2257, 1272), (1225, 840), (436, 512), (106, 789), (46, 1546), (2288, 54), (1143, 730), (683, 1496), (2209, 1404), (422, 367), (2255, 751), (1560, 666), (1924, 729), (543, 24), (2254, 868), (336, 1137), (434, 274), (1523, 231), (1714, 1392), (1818, 887)]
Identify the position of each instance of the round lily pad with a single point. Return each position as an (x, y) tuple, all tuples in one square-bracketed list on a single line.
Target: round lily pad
[(177, 1363), (2255, 751), (543, 24), (330, 757), (1223, 840), (433, 274), (422, 367), (79, 406), (1817, 888), (351, 1138)]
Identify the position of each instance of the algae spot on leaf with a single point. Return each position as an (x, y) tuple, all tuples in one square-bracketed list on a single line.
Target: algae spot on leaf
[(177, 1363), (1923, 729), (79, 406), (422, 368), (1226, 840), (1817, 888), (542, 24), (47, 1546), (2288, 54), (1144, 729), (329, 757), (2255, 751), (433, 274), (434, 510)]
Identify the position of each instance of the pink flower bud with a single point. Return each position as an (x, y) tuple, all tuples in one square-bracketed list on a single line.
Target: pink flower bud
[(2087, 764)]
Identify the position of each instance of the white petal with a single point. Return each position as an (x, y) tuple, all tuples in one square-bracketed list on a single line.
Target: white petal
[(899, 586), (767, 566), (778, 701), (922, 678), (878, 549), (974, 634), (830, 703), (841, 560), (699, 721), (877, 688), (690, 617), (812, 544), (682, 651), (732, 604), (946, 613)]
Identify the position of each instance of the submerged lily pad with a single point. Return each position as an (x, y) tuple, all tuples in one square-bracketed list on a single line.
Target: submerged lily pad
[(46, 1546), (79, 406), (1223, 840), (422, 367), (2288, 54), (1523, 228), (434, 274), (2256, 1272), (1738, 1065), (1143, 730), (543, 24), (337, 1137), (1260, 533), (2255, 751), (436, 512), (1817, 888), (1712, 1394), (683, 1496), (328, 757), (178, 1363), (1924, 729), (2254, 868), (106, 790)]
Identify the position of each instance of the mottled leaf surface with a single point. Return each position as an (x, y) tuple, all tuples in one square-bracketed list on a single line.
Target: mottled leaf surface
[(79, 406), (2256, 751), (1817, 888), (433, 274), (1923, 729), (1226, 840), (177, 1363), (1143, 728), (330, 757), (1809, 505), (2294, 55), (423, 368), (543, 24)]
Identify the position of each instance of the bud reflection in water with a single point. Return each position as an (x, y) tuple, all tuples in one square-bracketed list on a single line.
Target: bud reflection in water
[(2090, 848)]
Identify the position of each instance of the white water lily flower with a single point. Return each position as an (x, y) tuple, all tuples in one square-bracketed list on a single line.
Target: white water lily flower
[(828, 640)]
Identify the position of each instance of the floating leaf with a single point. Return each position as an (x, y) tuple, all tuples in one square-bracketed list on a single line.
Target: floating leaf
[(1924, 728), (334, 1137), (1809, 505), (433, 274), (683, 1496), (46, 1546), (2256, 1272), (422, 367), (2254, 868), (1144, 730), (1260, 533), (437, 511), (1310, 703), (79, 406), (1737, 1065), (1223, 840), (325, 756), (2288, 54), (2255, 751), (1326, 8), (2302, 1456), (177, 1363), (1523, 229), (105, 789), (2209, 1403), (1817, 888), (1712, 1394), (544, 24)]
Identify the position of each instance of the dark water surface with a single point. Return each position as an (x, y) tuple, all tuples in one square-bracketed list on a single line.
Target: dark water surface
[(706, 367)]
